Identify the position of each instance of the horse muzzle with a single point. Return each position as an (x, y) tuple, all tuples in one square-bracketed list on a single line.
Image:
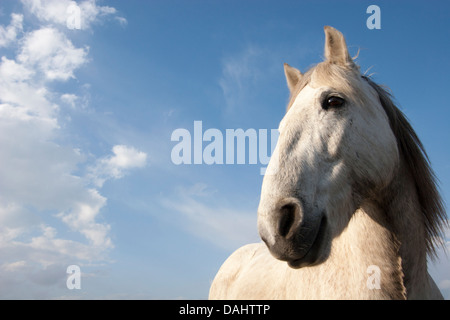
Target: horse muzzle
[(293, 232)]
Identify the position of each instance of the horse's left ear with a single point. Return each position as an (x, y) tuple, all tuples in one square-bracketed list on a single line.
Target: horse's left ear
[(336, 49), (293, 76)]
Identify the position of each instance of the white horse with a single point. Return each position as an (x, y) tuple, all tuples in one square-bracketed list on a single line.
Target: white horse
[(349, 201)]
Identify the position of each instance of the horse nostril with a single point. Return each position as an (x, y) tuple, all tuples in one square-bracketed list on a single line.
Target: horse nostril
[(288, 216)]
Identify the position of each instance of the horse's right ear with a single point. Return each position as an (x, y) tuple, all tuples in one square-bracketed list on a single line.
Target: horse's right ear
[(293, 76), (336, 49)]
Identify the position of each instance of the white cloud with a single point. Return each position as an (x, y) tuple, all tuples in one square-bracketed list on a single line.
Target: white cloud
[(70, 99), (36, 174), (245, 72), (30, 268), (240, 73), (13, 266), (115, 166), (9, 34), (125, 158), (23, 97), (13, 72), (48, 10), (122, 21), (225, 227), (82, 218), (57, 12), (50, 51), (49, 215)]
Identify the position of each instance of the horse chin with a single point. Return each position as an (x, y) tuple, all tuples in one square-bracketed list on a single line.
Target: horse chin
[(315, 254)]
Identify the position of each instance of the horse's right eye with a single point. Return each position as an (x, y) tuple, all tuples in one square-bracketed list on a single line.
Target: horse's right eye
[(333, 102)]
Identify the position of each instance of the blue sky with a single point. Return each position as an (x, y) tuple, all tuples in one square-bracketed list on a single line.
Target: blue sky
[(87, 115)]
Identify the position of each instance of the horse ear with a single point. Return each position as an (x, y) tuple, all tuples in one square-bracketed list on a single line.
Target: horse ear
[(293, 76), (336, 49)]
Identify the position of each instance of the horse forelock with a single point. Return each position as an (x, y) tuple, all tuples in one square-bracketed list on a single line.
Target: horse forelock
[(344, 79)]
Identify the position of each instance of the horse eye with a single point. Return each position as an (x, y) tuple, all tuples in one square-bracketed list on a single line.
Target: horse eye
[(333, 102)]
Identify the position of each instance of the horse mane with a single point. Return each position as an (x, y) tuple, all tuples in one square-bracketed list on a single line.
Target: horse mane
[(416, 158)]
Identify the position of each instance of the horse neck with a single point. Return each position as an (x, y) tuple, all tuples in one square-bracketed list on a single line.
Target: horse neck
[(404, 219), (388, 232), (367, 242)]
